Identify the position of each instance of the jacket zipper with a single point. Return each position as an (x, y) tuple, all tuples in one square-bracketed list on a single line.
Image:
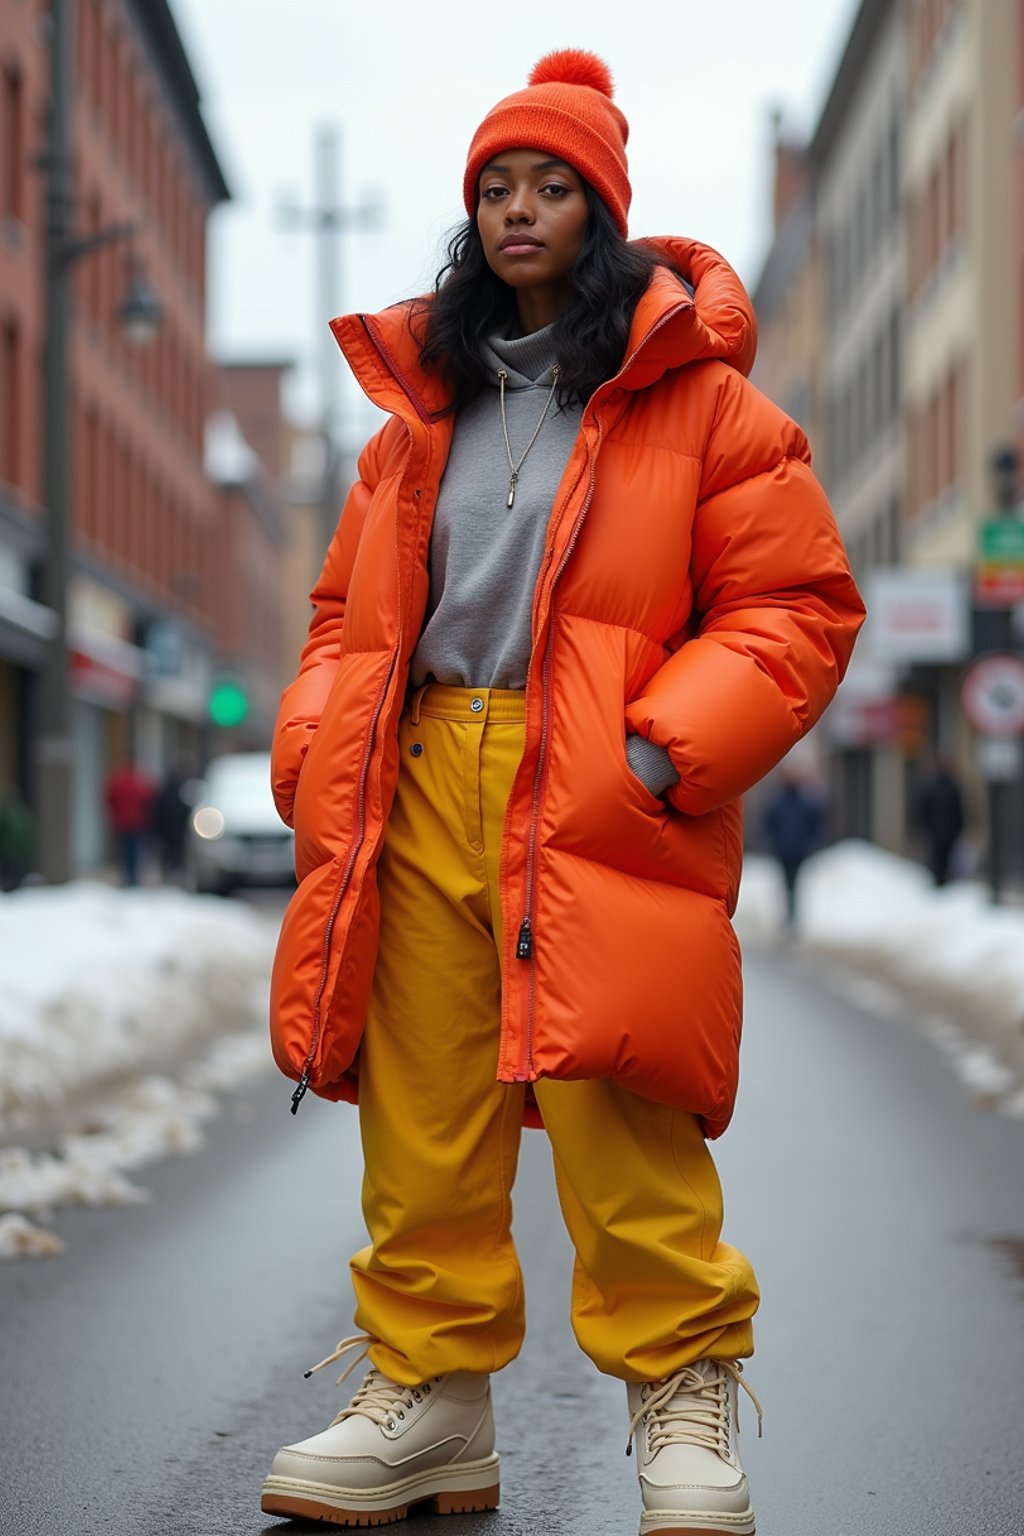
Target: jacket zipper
[(307, 1070), (527, 931), (396, 373), (343, 884)]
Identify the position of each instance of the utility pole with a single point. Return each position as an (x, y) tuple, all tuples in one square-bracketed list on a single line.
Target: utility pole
[(329, 218)]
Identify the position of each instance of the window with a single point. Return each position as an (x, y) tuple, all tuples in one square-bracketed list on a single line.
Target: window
[(12, 145), (91, 268), (913, 462), (90, 477), (862, 242), (895, 371), (894, 163), (914, 260), (895, 541), (933, 221), (877, 197), (879, 402), (10, 401), (932, 428), (955, 423)]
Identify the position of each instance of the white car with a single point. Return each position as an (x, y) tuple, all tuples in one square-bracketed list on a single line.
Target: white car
[(235, 835)]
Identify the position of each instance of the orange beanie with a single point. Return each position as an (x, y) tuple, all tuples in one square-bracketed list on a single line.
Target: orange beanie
[(566, 109)]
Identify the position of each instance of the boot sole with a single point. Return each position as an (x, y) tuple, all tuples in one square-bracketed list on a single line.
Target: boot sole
[(742, 1525), (443, 1491)]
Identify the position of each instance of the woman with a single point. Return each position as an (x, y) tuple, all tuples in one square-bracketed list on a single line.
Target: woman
[(585, 592)]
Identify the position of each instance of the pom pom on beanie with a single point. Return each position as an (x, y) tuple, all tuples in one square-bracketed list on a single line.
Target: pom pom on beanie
[(566, 110), (573, 66)]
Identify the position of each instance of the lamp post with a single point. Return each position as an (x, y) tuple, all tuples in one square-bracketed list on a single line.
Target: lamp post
[(53, 742)]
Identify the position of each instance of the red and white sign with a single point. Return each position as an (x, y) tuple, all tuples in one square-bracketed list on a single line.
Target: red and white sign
[(993, 696), (917, 616), (1000, 587)]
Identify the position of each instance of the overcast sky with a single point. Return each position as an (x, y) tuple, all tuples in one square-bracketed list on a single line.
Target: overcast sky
[(407, 82)]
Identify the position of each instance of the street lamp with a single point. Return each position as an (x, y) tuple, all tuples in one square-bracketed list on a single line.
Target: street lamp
[(139, 314), (1004, 467)]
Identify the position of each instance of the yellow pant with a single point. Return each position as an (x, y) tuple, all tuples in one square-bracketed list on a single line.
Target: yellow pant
[(440, 1288)]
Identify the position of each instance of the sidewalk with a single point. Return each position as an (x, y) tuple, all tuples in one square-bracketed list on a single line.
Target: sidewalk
[(122, 1014), (946, 957)]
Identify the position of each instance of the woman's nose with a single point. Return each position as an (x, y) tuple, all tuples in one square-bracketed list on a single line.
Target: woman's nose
[(519, 209)]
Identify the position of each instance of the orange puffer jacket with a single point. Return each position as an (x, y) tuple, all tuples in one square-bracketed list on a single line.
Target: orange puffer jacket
[(694, 589)]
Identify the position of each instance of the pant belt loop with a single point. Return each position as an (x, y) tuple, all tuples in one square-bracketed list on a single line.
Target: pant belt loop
[(417, 700)]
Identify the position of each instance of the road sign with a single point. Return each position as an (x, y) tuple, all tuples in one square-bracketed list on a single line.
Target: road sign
[(993, 696), (999, 759), (999, 573), (998, 586), (1001, 542)]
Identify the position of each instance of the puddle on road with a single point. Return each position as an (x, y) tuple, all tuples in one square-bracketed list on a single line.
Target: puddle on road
[(1011, 1250)]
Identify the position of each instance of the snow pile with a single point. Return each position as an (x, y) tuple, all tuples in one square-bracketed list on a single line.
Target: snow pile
[(19, 1239), (103, 993), (948, 949), (99, 984), (148, 1120)]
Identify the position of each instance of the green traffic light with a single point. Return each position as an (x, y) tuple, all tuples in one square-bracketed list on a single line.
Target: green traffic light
[(229, 703)]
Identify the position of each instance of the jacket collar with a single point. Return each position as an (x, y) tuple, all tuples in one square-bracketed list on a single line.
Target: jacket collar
[(671, 327)]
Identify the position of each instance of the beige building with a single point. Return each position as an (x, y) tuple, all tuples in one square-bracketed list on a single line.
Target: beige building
[(962, 323), (856, 159), (912, 251), (855, 156)]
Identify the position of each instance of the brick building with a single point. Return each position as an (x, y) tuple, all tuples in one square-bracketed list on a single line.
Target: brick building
[(149, 584)]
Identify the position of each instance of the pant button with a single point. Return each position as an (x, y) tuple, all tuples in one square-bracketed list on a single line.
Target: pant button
[(476, 705), (416, 749)]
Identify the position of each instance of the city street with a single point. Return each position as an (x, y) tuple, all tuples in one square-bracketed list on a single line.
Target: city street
[(150, 1372)]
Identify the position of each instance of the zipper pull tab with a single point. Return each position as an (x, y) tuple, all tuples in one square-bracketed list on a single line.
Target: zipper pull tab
[(300, 1092), (524, 944)]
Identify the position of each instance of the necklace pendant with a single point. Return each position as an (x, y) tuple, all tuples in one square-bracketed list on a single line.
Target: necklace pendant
[(512, 491)]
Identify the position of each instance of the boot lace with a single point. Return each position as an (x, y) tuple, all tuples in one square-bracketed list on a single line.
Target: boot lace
[(691, 1408), (379, 1398)]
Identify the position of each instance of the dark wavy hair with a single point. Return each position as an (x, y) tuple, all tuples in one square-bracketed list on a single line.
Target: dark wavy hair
[(590, 335)]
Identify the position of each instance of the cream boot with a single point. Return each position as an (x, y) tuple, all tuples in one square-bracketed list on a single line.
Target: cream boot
[(392, 1447), (691, 1478)]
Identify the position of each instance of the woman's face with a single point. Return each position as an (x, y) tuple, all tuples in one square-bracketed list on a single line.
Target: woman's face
[(532, 216)]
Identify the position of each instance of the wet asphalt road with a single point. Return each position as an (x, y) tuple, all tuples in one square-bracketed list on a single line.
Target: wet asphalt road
[(148, 1374)]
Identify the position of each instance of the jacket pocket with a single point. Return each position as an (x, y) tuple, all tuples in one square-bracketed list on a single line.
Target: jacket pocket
[(326, 797)]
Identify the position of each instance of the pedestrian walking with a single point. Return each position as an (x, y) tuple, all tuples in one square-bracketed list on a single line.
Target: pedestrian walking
[(794, 825), (585, 592), (171, 811), (17, 838), (129, 798), (940, 813)]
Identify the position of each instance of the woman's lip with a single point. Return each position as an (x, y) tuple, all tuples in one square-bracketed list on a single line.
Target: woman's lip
[(519, 244)]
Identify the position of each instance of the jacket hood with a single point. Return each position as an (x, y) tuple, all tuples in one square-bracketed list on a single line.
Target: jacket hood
[(708, 315)]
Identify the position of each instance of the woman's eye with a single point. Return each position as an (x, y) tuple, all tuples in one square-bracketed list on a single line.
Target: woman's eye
[(555, 188), (492, 193)]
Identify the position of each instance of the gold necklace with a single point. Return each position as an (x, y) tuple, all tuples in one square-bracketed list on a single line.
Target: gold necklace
[(513, 467)]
